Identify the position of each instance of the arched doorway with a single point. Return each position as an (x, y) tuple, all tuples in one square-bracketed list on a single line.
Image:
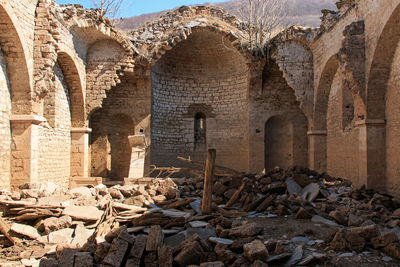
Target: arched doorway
[(109, 144), (120, 127), (278, 143)]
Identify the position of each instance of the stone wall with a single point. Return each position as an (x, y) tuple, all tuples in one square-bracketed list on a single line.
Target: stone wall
[(125, 111), (55, 135), (342, 135), (201, 75), (5, 131), (393, 127), (276, 100), (340, 80)]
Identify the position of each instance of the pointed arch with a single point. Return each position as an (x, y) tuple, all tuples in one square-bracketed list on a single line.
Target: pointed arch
[(381, 66), (75, 86), (321, 97), (16, 59)]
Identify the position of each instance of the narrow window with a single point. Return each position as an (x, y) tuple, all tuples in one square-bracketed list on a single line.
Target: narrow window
[(199, 132)]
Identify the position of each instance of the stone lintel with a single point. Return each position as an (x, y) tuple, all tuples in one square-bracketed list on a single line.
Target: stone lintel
[(32, 118)]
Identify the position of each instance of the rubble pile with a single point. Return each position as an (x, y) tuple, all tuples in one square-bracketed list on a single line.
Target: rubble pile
[(160, 223)]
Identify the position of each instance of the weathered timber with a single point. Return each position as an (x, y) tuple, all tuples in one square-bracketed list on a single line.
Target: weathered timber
[(208, 182)]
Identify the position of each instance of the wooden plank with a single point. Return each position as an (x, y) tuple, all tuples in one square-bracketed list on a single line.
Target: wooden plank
[(5, 229), (177, 203), (223, 171), (206, 205), (236, 195)]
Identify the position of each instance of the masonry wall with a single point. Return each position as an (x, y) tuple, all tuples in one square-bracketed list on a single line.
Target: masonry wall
[(276, 100), (342, 135), (202, 75), (125, 111), (5, 132), (55, 135), (393, 127)]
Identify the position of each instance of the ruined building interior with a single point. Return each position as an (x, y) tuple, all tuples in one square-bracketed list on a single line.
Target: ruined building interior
[(73, 90), (83, 102)]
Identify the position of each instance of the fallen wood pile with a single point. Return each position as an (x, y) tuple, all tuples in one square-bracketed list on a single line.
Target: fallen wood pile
[(161, 224)]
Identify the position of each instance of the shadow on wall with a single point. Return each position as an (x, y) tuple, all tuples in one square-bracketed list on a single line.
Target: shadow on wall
[(109, 145), (278, 143), (286, 141)]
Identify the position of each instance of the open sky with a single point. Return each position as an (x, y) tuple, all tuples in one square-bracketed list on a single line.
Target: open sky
[(137, 7)]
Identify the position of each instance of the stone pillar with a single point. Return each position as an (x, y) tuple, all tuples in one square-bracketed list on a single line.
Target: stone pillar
[(80, 152), (138, 168), (25, 132), (317, 150), (372, 154)]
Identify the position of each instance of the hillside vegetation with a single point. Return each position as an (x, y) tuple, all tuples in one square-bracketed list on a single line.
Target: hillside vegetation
[(302, 12)]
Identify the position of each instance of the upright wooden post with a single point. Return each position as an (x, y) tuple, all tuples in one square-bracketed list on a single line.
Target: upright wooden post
[(208, 182)]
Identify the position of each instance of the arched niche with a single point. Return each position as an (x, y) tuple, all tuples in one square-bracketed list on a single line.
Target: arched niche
[(278, 143), (285, 141), (109, 144), (204, 71)]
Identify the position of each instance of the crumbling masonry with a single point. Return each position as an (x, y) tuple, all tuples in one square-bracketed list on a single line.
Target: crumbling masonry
[(75, 92)]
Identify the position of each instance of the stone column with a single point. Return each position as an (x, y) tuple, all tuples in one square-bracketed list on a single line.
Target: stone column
[(138, 164), (80, 152), (372, 154), (317, 150), (25, 132)]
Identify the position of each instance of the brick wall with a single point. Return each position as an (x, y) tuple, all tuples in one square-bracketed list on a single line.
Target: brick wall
[(5, 135), (200, 75)]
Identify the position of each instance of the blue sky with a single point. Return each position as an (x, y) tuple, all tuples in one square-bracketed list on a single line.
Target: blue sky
[(137, 7)]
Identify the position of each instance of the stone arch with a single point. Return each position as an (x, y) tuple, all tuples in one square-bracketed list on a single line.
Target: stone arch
[(381, 67), (382, 123), (173, 39), (75, 87), (380, 126), (203, 74), (318, 132), (16, 59), (153, 41), (15, 95), (322, 94), (104, 64), (295, 60)]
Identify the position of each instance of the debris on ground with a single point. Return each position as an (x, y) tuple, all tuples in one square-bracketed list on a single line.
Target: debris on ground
[(293, 217)]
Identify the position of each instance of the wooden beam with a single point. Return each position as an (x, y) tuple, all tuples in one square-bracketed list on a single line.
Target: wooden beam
[(206, 205)]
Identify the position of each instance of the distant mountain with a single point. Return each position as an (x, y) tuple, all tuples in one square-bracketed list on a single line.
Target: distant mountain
[(302, 12)]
